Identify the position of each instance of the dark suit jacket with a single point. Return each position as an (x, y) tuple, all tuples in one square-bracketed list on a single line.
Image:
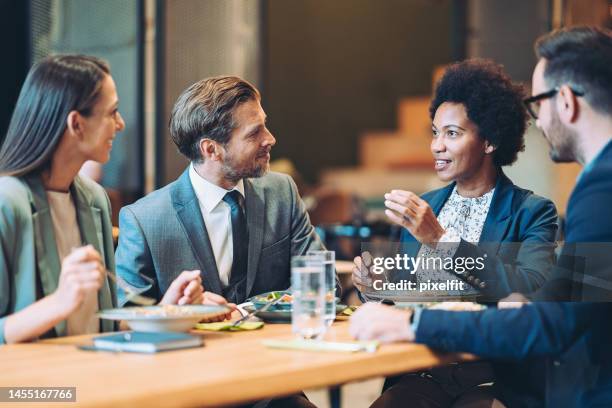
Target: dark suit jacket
[(567, 346), (573, 338), (584, 271), (164, 233), (517, 237)]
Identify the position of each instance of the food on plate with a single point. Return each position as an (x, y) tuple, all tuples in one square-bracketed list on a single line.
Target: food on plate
[(458, 306), (165, 311), (286, 297), (272, 296)]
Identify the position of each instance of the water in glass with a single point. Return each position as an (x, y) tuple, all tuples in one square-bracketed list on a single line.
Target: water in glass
[(329, 270), (308, 290)]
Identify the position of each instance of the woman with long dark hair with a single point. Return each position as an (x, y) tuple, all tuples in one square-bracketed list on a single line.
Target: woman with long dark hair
[(55, 227)]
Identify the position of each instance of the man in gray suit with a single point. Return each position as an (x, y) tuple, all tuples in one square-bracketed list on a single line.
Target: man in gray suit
[(226, 215)]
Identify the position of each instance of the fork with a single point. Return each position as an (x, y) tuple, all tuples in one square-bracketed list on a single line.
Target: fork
[(132, 295), (254, 312)]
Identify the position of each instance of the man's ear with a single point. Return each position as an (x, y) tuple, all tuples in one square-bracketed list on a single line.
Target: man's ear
[(74, 123), (489, 148), (567, 105), (210, 150)]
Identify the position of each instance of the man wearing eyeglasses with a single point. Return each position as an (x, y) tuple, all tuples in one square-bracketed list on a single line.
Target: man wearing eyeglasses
[(565, 145), (571, 104), (563, 349)]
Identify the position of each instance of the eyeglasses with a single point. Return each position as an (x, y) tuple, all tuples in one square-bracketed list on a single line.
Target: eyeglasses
[(533, 103)]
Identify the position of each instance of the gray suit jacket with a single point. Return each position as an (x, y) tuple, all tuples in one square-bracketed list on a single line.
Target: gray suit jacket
[(163, 234)]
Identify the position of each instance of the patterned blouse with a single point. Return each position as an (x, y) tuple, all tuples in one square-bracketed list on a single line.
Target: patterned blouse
[(461, 218)]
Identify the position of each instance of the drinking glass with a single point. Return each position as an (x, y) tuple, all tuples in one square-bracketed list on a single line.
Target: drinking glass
[(308, 290), (329, 270)]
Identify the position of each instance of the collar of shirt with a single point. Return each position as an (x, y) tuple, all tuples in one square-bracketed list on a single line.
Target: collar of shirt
[(482, 200), (589, 166), (209, 194)]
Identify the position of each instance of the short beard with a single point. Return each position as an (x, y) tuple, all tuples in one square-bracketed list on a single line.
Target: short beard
[(563, 149), (234, 175)]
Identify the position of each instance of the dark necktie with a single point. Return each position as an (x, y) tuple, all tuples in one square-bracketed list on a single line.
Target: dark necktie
[(236, 291)]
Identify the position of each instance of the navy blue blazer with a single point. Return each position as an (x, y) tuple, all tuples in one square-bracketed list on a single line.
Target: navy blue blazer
[(575, 338), (584, 271), (517, 240), (588, 211), (564, 349)]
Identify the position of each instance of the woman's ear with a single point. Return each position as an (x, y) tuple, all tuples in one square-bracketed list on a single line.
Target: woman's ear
[(489, 148), (74, 123)]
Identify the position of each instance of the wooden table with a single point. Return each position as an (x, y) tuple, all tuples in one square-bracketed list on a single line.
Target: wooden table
[(231, 368)]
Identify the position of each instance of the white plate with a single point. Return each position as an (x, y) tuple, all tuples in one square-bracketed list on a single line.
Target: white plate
[(449, 306), (458, 306), (163, 318)]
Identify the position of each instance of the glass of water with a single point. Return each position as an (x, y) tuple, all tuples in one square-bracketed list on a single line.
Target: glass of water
[(308, 290), (329, 270)]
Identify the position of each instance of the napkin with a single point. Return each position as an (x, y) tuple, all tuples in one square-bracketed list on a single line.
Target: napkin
[(349, 311), (227, 326), (317, 345)]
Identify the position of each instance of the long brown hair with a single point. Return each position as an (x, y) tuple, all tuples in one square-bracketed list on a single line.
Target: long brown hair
[(54, 87)]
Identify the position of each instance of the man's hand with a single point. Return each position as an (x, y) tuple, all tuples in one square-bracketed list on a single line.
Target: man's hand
[(512, 301), (185, 289), (362, 278), (374, 321), (211, 298), (413, 213)]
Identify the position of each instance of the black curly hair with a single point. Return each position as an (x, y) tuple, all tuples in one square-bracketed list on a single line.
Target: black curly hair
[(493, 103)]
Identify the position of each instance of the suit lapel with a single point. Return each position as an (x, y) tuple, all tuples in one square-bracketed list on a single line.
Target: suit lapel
[(410, 246), (89, 218), (499, 216), (47, 259), (437, 202), (188, 211), (90, 226), (255, 213)]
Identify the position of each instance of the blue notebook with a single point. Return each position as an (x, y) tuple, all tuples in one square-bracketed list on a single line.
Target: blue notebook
[(142, 342)]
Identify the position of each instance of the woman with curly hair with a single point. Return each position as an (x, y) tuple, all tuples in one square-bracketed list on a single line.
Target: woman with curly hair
[(478, 123)]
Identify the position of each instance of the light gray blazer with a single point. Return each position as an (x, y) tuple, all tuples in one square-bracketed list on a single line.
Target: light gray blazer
[(29, 264), (163, 234)]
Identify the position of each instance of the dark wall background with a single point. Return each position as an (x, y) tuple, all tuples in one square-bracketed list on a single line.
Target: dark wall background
[(507, 34), (333, 69), (14, 31)]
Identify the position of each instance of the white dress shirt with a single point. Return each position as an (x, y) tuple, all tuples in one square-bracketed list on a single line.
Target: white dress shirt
[(217, 218)]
